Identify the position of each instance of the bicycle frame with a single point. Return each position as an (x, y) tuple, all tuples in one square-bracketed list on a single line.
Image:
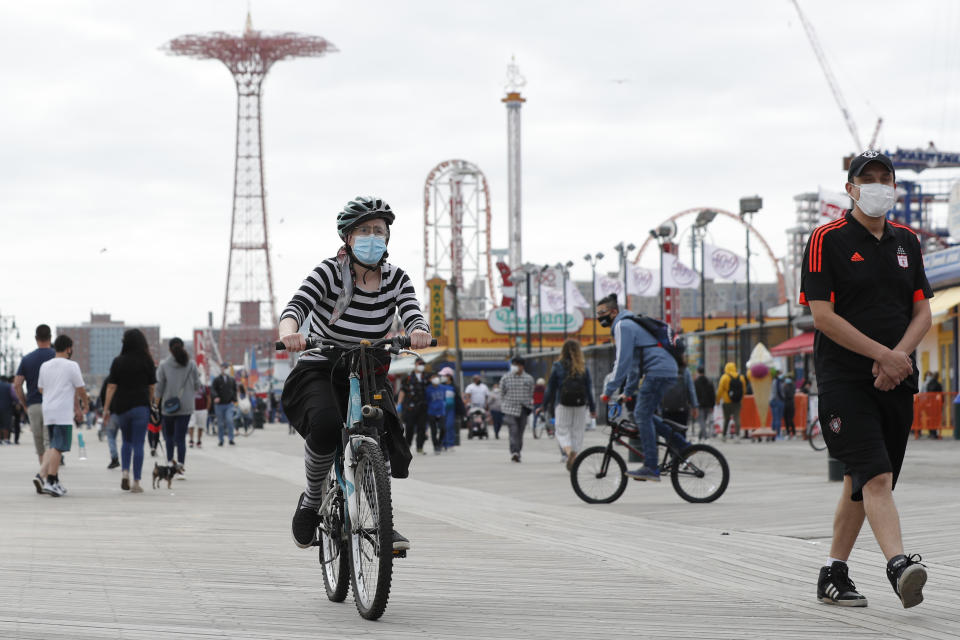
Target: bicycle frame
[(619, 435)]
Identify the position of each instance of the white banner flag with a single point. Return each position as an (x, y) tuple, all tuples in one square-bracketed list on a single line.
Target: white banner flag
[(721, 264), (677, 275), (553, 300), (832, 204), (607, 285), (575, 298), (644, 282)]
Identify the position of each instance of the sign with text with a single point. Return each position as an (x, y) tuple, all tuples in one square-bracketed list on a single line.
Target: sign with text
[(505, 320), (437, 288)]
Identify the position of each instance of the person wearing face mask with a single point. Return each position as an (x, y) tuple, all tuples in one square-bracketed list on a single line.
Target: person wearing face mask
[(412, 403), (864, 281), (436, 412), (516, 402), (351, 297), (64, 399)]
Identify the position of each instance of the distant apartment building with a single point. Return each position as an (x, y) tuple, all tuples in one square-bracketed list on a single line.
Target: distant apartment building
[(97, 342)]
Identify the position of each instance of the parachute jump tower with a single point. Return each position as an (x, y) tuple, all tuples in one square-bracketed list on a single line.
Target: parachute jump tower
[(249, 300)]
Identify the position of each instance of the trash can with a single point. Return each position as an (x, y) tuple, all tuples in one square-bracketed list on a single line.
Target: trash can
[(956, 418), (834, 470)]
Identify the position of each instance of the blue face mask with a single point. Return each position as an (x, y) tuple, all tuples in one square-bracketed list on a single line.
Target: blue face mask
[(369, 249)]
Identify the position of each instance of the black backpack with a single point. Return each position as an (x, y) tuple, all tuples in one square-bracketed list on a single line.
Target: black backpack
[(735, 390), (787, 389), (663, 334), (677, 397), (573, 391)]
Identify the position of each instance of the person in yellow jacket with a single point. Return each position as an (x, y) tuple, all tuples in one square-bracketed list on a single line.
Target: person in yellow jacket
[(730, 390)]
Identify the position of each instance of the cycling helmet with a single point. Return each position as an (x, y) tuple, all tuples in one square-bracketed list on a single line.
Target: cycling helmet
[(360, 209)]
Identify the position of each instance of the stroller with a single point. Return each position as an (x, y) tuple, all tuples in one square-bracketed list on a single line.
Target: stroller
[(477, 423)]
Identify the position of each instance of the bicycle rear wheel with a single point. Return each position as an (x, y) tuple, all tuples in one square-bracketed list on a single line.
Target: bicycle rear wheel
[(700, 474), (371, 536), (597, 477), (334, 555), (815, 435)]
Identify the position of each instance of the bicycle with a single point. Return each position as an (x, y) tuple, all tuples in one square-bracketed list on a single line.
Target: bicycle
[(542, 424), (355, 532), (815, 435), (698, 472), (240, 426)]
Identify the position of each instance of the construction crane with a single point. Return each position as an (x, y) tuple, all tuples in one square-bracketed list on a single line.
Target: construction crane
[(834, 87)]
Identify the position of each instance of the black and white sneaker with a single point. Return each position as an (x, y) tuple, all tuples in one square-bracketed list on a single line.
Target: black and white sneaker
[(400, 543), (836, 587), (38, 483), (907, 576), (305, 521)]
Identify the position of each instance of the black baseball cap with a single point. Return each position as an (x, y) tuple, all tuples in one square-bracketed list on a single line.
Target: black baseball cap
[(865, 158)]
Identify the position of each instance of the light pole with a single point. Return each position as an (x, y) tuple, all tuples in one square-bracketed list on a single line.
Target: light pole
[(623, 250), (704, 218), (593, 260), (565, 271), (749, 206), (540, 301)]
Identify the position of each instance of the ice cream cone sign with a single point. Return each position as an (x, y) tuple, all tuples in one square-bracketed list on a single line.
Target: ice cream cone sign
[(759, 370)]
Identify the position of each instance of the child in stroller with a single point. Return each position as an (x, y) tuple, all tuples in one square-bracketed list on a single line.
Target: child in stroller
[(477, 423)]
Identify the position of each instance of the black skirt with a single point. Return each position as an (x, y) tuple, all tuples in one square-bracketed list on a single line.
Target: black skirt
[(310, 385)]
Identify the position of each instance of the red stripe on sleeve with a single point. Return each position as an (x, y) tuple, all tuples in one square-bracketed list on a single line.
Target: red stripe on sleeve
[(918, 295), (803, 299)]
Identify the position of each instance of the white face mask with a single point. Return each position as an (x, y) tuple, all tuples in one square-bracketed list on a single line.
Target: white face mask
[(514, 368), (418, 368), (434, 380), (876, 199)]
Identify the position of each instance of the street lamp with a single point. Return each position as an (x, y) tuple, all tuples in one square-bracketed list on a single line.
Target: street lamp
[(704, 218), (664, 232), (622, 250), (748, 206), (543, 269), (593, 260), (565, 271)]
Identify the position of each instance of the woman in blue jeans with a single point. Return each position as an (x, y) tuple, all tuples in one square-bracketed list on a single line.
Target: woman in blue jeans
[(129, 393), (178, 380)]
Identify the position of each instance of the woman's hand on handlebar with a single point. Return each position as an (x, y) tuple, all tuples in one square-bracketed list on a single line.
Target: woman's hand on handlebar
[(419, 339), (294, 342)]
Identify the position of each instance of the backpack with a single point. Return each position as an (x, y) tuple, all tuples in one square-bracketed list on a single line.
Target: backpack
[(663, 334), (735, 390), (677, 397), (573, 391)]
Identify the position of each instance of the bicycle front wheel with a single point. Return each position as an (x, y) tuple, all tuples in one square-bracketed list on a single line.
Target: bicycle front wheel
[(598, 477), (334, 556), (700, 474), (815, 435), (371, 536)]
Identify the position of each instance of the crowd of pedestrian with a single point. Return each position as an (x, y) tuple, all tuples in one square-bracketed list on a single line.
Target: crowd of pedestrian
[(145, 403)]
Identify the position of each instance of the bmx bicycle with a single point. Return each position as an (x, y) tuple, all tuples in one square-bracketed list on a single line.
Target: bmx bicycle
[(355, 532), (698, 472)]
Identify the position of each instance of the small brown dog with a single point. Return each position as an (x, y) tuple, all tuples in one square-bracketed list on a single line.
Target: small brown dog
[(166, 472)]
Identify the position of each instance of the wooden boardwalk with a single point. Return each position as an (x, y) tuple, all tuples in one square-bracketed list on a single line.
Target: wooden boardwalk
[(500, 550)]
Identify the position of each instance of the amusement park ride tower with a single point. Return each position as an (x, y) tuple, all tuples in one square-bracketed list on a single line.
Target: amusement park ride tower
[(249, 300), (514, 102)]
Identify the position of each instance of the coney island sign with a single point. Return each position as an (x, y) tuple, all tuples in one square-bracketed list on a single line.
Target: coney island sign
[(505, 320)]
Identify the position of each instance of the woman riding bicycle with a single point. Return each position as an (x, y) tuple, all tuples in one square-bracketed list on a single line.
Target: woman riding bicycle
[(348, 298)]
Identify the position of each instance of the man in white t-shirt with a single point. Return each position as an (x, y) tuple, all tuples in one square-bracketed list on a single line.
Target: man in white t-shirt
[(64, 400), (476, 393)]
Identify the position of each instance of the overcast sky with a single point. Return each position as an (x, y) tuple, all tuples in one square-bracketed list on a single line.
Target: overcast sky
[(635, 111)]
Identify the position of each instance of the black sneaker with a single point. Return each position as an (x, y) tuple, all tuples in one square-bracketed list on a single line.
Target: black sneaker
[(38, 483), (836, 587), (114, 463), (907, 576), (399, 542), (305, 521)]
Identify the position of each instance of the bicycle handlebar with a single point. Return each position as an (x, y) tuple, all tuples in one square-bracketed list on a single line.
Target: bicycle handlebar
[(397, 343)]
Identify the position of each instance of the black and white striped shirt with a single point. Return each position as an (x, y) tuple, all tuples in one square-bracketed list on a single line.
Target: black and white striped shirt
[(369, 315)]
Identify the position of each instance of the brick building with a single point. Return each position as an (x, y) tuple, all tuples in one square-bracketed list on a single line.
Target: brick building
[(97, 342)]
